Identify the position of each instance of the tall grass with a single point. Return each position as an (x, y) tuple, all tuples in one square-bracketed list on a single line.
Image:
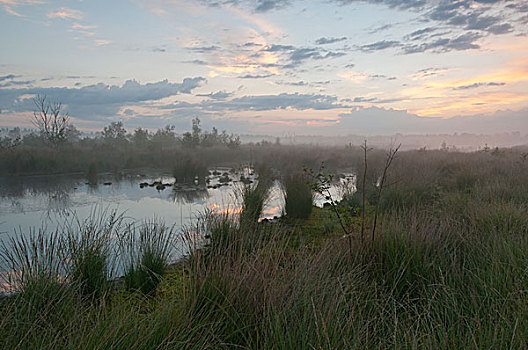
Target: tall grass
[(442, 273), (91, 252), (36, 273), (253, 198), (298, 196), (148, 249)]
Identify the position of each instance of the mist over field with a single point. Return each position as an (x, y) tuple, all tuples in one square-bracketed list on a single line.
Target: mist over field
[(263, 174)]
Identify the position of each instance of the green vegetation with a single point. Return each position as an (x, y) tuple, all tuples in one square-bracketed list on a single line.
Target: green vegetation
[(149, 254), (447, 269), (298, 197), (253, 198)]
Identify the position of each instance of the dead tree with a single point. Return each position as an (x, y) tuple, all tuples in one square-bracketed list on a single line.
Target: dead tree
[(391, 154), (363, 189), (51, 122)]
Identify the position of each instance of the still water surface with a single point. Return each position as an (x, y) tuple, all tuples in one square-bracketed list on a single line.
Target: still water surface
[(43, 202)]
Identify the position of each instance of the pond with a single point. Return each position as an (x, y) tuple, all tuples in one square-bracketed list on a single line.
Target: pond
[(46, 202)]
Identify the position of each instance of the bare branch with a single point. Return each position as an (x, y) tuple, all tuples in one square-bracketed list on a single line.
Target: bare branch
[(391, 154), (47, 117), (365, 149)]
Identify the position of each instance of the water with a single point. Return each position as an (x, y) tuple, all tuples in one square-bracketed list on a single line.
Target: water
[(46, 202)]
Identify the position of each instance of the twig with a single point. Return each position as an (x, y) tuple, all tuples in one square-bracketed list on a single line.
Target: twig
[(391, 154)]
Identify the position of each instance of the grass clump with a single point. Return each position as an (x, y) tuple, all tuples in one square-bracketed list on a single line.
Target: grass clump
[(253, 198), (149, 250), (298, 197), (89, 247), (37, 275)]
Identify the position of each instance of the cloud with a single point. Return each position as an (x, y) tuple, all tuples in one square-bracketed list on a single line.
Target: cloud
[(16, 83), (463, 23), (219, 95), (293, 56), (354, 77), (99, 100), (260, 103), (478, 15), (282, 101), (66, 13), (420, 33), (268, 5), (8, 77), (519, 7), (325, 41), (10, 5), (398, 4), (204, 49), (83, 26), (251, 44), (253, 5), (428, 72), (477, 85), (375, 120), (380, 45), (466, 41), (255, 76), (381, 76), (102, 42), (380, 28), (373, 100), (198, 62), (462, 42)]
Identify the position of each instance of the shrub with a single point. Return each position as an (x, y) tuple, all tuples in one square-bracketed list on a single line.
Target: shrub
[(187, 168)]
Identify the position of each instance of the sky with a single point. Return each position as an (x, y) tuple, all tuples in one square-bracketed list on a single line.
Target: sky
[(270, 66)]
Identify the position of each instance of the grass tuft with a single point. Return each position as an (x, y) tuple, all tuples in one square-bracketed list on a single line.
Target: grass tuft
[(298, 197)]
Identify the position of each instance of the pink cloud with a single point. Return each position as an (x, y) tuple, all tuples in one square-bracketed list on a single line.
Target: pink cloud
[(9, 5), (66, 13)]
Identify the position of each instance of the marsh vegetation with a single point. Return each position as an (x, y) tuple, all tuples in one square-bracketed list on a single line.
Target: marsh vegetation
[(446, 268)]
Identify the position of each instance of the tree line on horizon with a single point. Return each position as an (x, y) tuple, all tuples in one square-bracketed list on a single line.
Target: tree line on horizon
[(55, 129)]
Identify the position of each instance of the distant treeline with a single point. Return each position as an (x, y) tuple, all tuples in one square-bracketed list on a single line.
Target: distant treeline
[(116, 150), (116, 134)]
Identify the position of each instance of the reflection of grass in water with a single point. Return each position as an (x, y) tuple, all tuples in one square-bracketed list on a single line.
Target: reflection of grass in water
[(188, 195), (59, 202)]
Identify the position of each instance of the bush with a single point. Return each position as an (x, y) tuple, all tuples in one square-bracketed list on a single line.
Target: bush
[(188, 168)]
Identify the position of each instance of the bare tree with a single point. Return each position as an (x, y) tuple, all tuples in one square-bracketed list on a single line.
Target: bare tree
[(51, 122)]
